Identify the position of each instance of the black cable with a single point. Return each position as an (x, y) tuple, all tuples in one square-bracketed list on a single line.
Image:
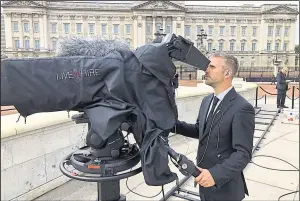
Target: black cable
[(140, 194), (288, 194), (296, 169), (284, 170)]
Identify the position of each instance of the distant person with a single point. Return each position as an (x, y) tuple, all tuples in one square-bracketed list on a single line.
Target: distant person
[(175, 81), (282, 86), (190, 76)]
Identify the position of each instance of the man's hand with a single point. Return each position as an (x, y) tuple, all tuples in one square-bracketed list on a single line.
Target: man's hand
[(205, 179)]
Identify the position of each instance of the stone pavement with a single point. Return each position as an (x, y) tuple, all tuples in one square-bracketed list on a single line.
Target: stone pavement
[(281, 141)]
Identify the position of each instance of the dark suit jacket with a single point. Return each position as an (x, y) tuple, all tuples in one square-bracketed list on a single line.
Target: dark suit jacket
[(281, 82), (236, 131)]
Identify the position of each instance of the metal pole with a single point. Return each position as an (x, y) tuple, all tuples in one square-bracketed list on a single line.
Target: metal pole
[(265, 98), (256, 96), (293, 97)]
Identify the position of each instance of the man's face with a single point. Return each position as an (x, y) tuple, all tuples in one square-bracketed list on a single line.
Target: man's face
[(215, 73)]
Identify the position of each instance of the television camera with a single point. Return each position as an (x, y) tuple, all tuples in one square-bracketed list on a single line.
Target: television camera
[(111, 103)]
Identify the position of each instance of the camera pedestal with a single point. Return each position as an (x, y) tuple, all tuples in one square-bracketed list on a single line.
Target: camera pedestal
[(107, 175), (109, 190)]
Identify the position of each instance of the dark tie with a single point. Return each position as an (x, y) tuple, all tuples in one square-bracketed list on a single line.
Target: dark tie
[(210, 116)]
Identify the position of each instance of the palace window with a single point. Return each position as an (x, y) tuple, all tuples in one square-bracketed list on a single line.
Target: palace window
[(37, 44), (53, 27), (78, 27), (116, 28), (36, 27), (67, 28), (270, 31), (26, 28), (15, 26), (187, 30), (103, 29), (231, 46), (127, 28)]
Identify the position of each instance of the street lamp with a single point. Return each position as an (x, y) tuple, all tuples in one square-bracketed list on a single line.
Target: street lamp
[(275, 64), (159, 35), (201, 36)]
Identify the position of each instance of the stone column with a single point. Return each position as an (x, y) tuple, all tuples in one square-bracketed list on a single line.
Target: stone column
[(194, 31), (122, 26), (139, 28), (21, 31), (60, 28), (274, 36), (143, 30), (181, 30), (85, 25), (98, 26), (153, 27), (30, 27), (263, 29), (135, 32), (42, 31), (8, 31), (109, 26), (46, 31), (292, 35), (164, 24), (174, 25), (72, 25)]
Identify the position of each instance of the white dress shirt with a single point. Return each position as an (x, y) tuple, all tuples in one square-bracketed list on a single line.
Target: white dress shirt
[(220, 97)]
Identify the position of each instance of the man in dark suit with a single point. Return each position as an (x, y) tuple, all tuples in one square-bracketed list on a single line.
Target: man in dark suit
[(282, 87), (225, 129)]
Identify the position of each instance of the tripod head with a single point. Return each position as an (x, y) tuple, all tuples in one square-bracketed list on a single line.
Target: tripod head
[(115, 150)]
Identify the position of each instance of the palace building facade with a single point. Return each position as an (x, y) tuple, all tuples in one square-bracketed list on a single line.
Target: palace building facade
[(254, 34)]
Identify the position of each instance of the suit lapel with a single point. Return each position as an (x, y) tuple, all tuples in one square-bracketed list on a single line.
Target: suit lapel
[(202, 118), (222, 108)]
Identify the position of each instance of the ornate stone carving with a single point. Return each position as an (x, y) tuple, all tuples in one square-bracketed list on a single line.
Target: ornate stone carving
[(122, 18), (59, 17), (8, 14), (134, 17), (24, 3), (159, 5), (140, 24), (85, 17), (72, 17), (178, 25), (24, 15)]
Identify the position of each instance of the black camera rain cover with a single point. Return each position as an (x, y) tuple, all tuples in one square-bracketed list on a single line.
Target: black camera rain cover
[(119, 86)]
